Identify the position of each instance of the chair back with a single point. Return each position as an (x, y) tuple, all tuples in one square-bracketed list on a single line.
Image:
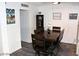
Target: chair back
[(61, 35), (38, 31), (59, 38), (38, 44), (56, 29), (33, 40)]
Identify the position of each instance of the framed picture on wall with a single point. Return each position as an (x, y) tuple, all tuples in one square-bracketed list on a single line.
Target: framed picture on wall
[(73, 16), (10, 16), (56, 16)]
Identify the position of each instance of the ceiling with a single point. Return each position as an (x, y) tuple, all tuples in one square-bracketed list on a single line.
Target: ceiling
[(39, 3), (46, 3)]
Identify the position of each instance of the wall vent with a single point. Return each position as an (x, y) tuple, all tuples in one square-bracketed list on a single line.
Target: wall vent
[(24, 5)]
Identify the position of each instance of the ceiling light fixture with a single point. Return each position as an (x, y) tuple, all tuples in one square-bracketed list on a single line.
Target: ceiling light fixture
[(56, 2)]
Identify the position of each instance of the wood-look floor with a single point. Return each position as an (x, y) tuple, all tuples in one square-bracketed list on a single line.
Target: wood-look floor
[(27, 50)]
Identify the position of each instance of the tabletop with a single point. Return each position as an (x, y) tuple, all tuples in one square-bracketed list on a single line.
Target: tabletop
[(51, 36)]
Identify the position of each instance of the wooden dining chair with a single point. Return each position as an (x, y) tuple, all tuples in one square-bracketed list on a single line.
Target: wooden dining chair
[(34, 44), (56, 29), (60, 37), (33, 41), (38, 31), (55, 46), (38, 45)]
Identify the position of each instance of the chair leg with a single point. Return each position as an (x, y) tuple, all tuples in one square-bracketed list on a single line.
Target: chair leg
[(55, 52), (38, 53), (35, 53), (52, 54), (58, 48)]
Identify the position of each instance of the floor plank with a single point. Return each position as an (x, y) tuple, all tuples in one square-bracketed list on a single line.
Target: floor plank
[(27, 50)]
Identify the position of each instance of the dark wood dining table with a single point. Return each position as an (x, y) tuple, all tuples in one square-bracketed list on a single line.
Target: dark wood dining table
[(45, 39), (49, 37)]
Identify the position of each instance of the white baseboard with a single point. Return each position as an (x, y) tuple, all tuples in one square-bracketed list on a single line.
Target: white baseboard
[(27, 41)]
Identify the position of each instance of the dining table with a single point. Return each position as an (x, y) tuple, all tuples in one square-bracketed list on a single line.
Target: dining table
[(45, 39), (50, 36)]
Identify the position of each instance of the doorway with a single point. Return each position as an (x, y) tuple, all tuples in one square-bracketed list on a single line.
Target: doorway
[(24, 25)]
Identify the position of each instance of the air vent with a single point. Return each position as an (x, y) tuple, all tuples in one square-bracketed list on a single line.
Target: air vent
[(24, 5)]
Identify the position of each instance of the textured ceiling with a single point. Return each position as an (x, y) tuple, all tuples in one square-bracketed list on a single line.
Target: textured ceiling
[(46, 3), (39, 3)]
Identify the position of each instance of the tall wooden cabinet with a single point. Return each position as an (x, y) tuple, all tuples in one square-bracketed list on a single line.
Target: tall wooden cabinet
[(39, 22)]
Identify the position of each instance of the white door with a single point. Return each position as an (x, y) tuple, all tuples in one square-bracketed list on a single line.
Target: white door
[(24, 25)]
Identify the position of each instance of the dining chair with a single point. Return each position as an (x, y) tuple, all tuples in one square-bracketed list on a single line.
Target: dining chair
[(38, 31), (38, 46), (33, 41), (56, 29), (60, 37), (55, 46)]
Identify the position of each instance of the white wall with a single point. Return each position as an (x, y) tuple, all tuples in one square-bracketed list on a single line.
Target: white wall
[(3, 32), (32, 16), (1, 51), (13, 30), (70, 26)]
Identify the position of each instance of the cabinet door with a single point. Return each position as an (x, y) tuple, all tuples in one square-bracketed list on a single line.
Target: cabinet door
[(39, 21)]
